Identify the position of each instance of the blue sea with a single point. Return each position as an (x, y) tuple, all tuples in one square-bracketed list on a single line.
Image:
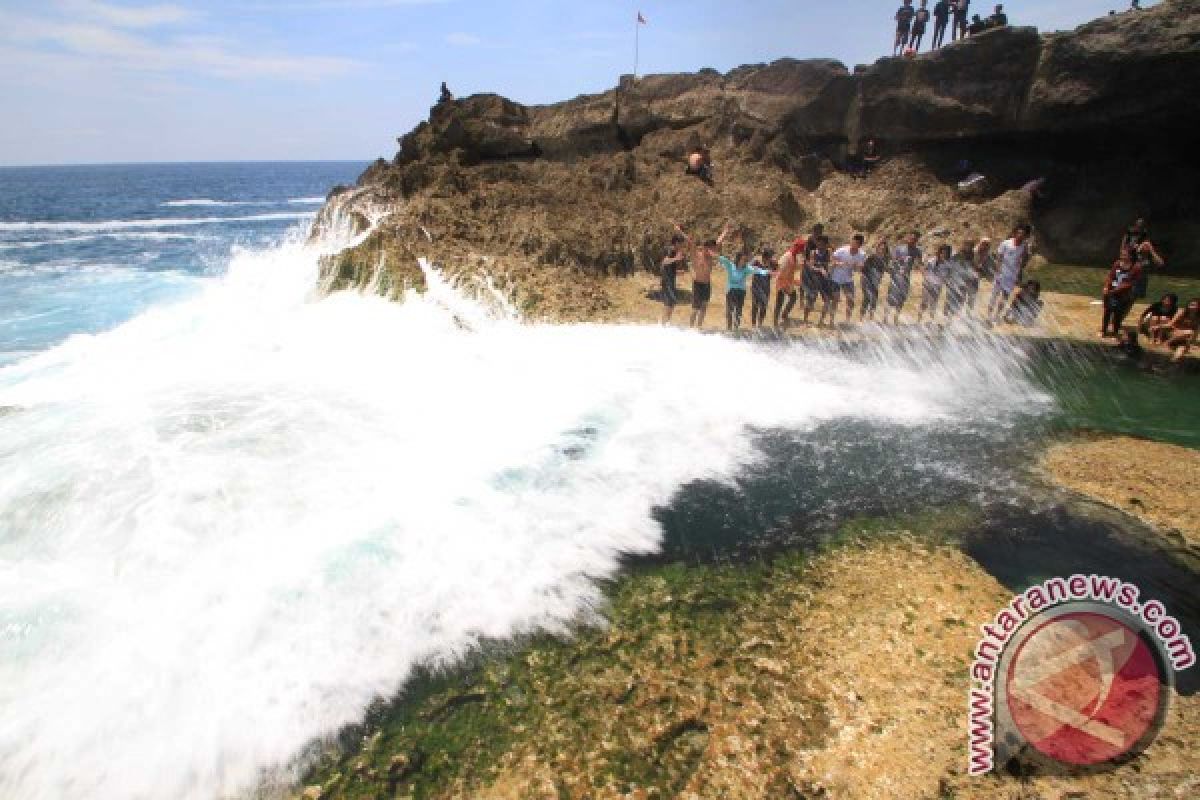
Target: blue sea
[(84, 248)]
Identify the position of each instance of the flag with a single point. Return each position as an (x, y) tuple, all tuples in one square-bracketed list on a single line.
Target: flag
[(641, 19)]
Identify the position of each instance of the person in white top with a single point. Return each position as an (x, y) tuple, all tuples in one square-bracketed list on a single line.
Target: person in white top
[(1013, 255), (846, 261)]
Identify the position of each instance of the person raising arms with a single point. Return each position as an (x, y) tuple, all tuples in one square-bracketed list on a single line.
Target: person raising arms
[(737, 270), (703, 258), (675, 260)]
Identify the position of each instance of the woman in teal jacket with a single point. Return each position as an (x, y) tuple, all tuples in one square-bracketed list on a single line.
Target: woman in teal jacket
[(735, 296)]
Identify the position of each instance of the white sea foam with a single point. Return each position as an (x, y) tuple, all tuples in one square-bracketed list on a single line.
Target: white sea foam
[(150, 236), (122, 224), (204, 202), (232, 523), (307, 201)]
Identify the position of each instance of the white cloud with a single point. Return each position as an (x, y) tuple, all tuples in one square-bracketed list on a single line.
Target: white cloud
[(150, 16), (460, 39), (112, 46)]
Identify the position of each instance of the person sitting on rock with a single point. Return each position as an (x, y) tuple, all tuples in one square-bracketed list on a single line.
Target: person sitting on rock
[(1026, 305), (1157, 317), (977, 26), (904, 19), (920, 20), (699, 163), (870, 157), (998, 19), (1183, 329)]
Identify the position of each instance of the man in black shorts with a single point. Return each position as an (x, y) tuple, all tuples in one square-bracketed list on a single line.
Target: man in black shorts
[(675, 261), (904, 18), (703, 258)]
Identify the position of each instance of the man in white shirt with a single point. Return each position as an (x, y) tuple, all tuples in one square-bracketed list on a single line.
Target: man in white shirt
[(846, 261), (1013, 255)]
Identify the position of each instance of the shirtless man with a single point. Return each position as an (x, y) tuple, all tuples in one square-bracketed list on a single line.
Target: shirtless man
[(703, 258)]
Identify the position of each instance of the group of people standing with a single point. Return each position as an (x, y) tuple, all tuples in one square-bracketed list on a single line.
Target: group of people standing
[(1164, 322), (912, 23), (811, 270)]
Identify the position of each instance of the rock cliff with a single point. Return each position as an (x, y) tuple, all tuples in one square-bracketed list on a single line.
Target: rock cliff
[(1102, 113)]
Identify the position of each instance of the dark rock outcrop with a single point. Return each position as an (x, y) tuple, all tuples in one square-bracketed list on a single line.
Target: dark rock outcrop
[(1101, 113)]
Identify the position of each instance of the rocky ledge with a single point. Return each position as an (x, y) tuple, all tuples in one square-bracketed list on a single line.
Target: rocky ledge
[(1101, 113)]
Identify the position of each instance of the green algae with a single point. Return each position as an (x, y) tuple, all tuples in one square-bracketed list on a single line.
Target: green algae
[(452, 730)]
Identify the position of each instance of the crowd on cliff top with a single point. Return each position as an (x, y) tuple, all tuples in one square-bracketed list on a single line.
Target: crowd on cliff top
[(955, 15), (852, 277), (912, 24)]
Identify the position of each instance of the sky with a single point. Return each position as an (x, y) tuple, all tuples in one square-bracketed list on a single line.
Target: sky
[(96, 81)]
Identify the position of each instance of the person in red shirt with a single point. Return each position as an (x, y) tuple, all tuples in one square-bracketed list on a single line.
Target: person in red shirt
[(1118, 293), (785, 284)]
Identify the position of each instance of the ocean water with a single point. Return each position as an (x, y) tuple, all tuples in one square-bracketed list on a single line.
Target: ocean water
[(85, 248), (233, 513)]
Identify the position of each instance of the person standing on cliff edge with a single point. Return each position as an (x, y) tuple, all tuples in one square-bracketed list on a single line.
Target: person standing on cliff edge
[(961, 22), (703, 259), (941, 18), (920, 20), (904, 18)]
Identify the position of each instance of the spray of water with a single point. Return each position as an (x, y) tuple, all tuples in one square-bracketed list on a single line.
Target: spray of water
[(229, 525)]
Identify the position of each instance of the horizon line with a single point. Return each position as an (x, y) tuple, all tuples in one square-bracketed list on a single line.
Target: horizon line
[(186, 162)]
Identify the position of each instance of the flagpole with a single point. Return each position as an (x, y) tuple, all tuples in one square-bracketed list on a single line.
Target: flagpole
[(637, 43)]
